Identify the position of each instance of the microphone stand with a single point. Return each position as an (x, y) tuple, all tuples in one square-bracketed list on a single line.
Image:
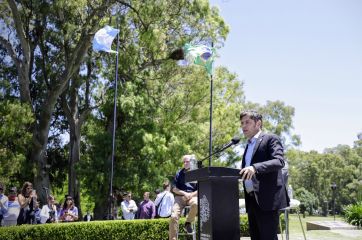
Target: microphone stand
[(199, 162)]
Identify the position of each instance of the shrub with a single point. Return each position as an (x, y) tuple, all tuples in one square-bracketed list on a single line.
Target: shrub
[(118, 229), (353, 214), (156, 229)]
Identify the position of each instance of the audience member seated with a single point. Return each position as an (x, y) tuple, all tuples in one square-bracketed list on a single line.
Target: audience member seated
[(37, 212), (49, 213), (69, 213)]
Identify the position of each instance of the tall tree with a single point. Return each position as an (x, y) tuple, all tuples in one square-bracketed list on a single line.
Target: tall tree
[(146, 40), (315, 172), (47, 41)]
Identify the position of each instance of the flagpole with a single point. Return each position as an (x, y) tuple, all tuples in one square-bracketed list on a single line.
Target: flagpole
[(210, 130), (113, 134)]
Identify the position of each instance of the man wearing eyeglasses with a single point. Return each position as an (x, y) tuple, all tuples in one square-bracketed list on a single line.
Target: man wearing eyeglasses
[(185, 195), (129, 207)]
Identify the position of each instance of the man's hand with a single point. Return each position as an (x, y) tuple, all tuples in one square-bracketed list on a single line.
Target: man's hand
[(247, 173), (187, 195)]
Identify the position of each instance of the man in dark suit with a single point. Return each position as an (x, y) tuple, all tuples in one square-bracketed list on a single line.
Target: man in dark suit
[(264, 187)]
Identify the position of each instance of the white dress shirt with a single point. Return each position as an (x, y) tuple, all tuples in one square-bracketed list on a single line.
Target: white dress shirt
[(126, 207)]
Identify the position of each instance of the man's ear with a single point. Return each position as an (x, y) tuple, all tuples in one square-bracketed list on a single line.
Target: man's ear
[(258, 124)]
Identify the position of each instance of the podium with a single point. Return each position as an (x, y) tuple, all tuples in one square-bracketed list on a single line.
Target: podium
[(218, 202)]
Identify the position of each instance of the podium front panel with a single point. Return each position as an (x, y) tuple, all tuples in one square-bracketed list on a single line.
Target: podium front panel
[(205, 210), (219, 209)]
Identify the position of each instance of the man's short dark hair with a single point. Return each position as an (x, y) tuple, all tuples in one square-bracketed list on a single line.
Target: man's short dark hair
[(253, 114), (166, 183)]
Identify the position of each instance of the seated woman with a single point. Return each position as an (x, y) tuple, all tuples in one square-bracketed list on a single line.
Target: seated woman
[(69, 212), (49, 213)]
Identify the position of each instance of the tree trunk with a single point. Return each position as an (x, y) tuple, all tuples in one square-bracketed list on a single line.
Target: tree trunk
[(40, 140), (101, 205), (70, 106), (74, 157)]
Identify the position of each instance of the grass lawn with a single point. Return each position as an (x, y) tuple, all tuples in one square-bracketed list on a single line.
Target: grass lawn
[(296, 233)]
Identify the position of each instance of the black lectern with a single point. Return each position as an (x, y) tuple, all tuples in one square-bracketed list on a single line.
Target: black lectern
[(218, 202)]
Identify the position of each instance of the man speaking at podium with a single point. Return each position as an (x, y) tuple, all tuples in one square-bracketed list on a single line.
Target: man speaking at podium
[(264, 187)]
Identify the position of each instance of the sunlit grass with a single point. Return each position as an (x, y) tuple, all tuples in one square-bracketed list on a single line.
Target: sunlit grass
[(296, 233)]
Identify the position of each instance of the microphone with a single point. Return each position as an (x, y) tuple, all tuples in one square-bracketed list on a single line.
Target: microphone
[(234, 140)]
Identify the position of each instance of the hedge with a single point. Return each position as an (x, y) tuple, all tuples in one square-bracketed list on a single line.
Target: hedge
[(118, 229)]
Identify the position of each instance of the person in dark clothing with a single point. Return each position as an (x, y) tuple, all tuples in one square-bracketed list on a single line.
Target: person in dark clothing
[(185, 195), (264, 187)]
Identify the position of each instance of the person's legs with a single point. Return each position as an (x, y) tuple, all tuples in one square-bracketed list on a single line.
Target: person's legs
[(175, 216), (263, 225), (252, 218), (268, 225), (193, 210)]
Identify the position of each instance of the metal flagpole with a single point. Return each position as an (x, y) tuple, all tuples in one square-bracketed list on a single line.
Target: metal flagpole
[(113, 134), (210, 130)]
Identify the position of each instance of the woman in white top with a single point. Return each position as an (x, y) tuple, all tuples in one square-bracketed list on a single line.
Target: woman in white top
[(48, 213)]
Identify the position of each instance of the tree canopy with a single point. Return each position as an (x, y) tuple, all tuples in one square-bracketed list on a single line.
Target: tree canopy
[(57, 101)]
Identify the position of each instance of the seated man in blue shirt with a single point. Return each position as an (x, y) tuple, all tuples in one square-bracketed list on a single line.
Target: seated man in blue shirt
[(185, 195)]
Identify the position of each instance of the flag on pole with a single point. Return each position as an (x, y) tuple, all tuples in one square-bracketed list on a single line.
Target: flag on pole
[(200, 55), (103, 39)]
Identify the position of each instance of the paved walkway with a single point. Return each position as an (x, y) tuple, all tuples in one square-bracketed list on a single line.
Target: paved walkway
[(323, 235)]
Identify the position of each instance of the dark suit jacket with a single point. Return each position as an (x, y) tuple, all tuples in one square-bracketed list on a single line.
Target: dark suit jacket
[(268, 182)]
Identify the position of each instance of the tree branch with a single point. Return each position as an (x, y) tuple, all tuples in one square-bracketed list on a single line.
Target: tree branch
[(136, 11), (10, 51), (20, 31)]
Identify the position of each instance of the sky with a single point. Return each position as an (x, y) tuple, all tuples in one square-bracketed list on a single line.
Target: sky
[(306, 53)]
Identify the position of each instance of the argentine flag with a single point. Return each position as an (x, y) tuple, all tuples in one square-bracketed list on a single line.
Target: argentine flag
[(103, 39)]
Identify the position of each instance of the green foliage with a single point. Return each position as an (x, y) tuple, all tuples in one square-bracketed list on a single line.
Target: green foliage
[(315, 172), (163, 108), (156, 229), (158, 123), (277, 119), (307, 200), (353, 214), (15, 140)]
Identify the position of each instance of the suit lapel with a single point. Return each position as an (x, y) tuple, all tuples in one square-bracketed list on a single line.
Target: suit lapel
[(243, 161), (257, 144)]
